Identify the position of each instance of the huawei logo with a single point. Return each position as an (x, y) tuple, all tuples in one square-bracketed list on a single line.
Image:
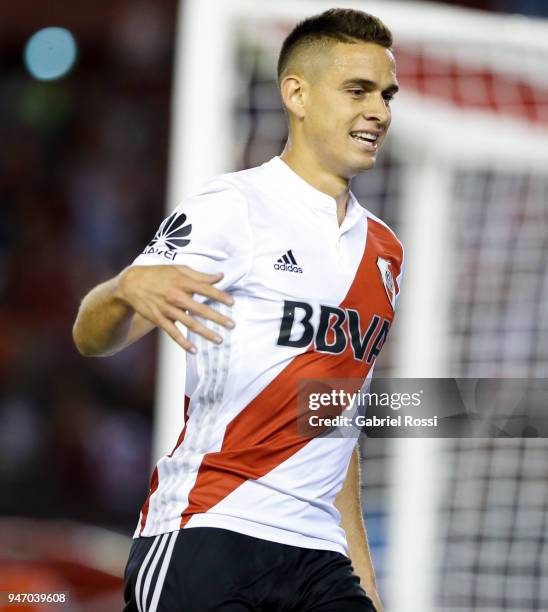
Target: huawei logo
[(170, 237), (172, 233)]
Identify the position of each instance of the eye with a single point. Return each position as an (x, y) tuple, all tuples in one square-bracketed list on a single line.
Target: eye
[(388, 98), (356, 92)]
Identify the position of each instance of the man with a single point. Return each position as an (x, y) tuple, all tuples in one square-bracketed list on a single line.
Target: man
[(246, 513)]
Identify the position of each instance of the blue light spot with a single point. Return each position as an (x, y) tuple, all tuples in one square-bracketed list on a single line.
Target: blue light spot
[(50, 53)]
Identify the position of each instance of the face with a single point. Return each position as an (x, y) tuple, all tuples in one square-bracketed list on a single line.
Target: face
[(345, 111)]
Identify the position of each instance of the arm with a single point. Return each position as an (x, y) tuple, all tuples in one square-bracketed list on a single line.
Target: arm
[(349, 505), (123, 309), (203, 246)]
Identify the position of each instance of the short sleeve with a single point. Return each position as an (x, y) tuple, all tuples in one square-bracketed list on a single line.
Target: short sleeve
[(209, 231)]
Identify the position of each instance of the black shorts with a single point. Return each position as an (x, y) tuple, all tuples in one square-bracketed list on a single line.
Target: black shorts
[(204, 569)]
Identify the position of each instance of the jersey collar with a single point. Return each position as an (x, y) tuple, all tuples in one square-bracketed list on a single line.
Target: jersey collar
[(290, 182)]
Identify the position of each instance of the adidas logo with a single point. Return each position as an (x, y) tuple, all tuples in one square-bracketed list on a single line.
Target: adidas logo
[(288, 263)]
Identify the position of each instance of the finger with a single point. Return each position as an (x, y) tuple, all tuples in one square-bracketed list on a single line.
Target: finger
[(170, 328), (179, 302), (183, 297), (200, 276), (206, 312), (184, 301), (213, 293), (200, 329), (204, 285), (175, 314)]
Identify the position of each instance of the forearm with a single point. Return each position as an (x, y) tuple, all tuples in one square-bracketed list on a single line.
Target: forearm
[(103, 322), (349, 505)]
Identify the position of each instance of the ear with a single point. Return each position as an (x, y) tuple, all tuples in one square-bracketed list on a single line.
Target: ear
[(293, 92)]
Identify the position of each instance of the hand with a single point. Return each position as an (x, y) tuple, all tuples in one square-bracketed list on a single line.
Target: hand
[(164, 294)]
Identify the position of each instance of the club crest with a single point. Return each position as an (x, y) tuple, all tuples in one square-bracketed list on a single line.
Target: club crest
[(387, 280)]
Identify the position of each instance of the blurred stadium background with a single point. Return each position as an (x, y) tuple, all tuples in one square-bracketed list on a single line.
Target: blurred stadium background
[(84, 181)]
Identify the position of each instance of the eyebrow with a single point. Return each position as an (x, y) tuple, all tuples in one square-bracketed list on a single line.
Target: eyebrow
[(367, 84)]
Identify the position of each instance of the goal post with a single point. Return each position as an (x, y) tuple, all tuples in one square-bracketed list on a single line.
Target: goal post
[(463, 179)]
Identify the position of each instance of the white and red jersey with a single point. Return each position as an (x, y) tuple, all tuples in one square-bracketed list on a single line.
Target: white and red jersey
[(312, 300)]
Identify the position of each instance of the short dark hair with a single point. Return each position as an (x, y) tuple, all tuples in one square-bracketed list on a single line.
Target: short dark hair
[(341, 25)]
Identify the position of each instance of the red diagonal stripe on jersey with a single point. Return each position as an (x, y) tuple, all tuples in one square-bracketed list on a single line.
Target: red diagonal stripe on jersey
[(183, 432), (152, 489), (264, 434), (154, 481)]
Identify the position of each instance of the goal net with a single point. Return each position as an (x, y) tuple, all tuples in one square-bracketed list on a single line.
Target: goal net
[(463, 180)]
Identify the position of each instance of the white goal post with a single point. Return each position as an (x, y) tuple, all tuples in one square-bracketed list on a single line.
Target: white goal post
[(433, 138)]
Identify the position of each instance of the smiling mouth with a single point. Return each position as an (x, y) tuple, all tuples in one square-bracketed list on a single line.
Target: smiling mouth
[(368, 140)]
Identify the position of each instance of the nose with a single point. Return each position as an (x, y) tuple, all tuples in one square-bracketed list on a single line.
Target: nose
[(376, 109)]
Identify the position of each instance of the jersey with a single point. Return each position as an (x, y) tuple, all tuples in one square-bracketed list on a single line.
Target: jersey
[(312, 300)]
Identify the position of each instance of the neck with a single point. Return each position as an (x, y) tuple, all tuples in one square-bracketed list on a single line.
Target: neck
[(311, 170)]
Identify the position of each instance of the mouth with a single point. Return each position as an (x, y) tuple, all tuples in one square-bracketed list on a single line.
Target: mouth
[(367, 139)]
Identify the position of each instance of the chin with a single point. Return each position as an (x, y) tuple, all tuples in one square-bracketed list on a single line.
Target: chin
[(364, 165), (351, 167)]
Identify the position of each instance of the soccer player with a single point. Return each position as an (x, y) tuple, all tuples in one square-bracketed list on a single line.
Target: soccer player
[(278, 275)]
